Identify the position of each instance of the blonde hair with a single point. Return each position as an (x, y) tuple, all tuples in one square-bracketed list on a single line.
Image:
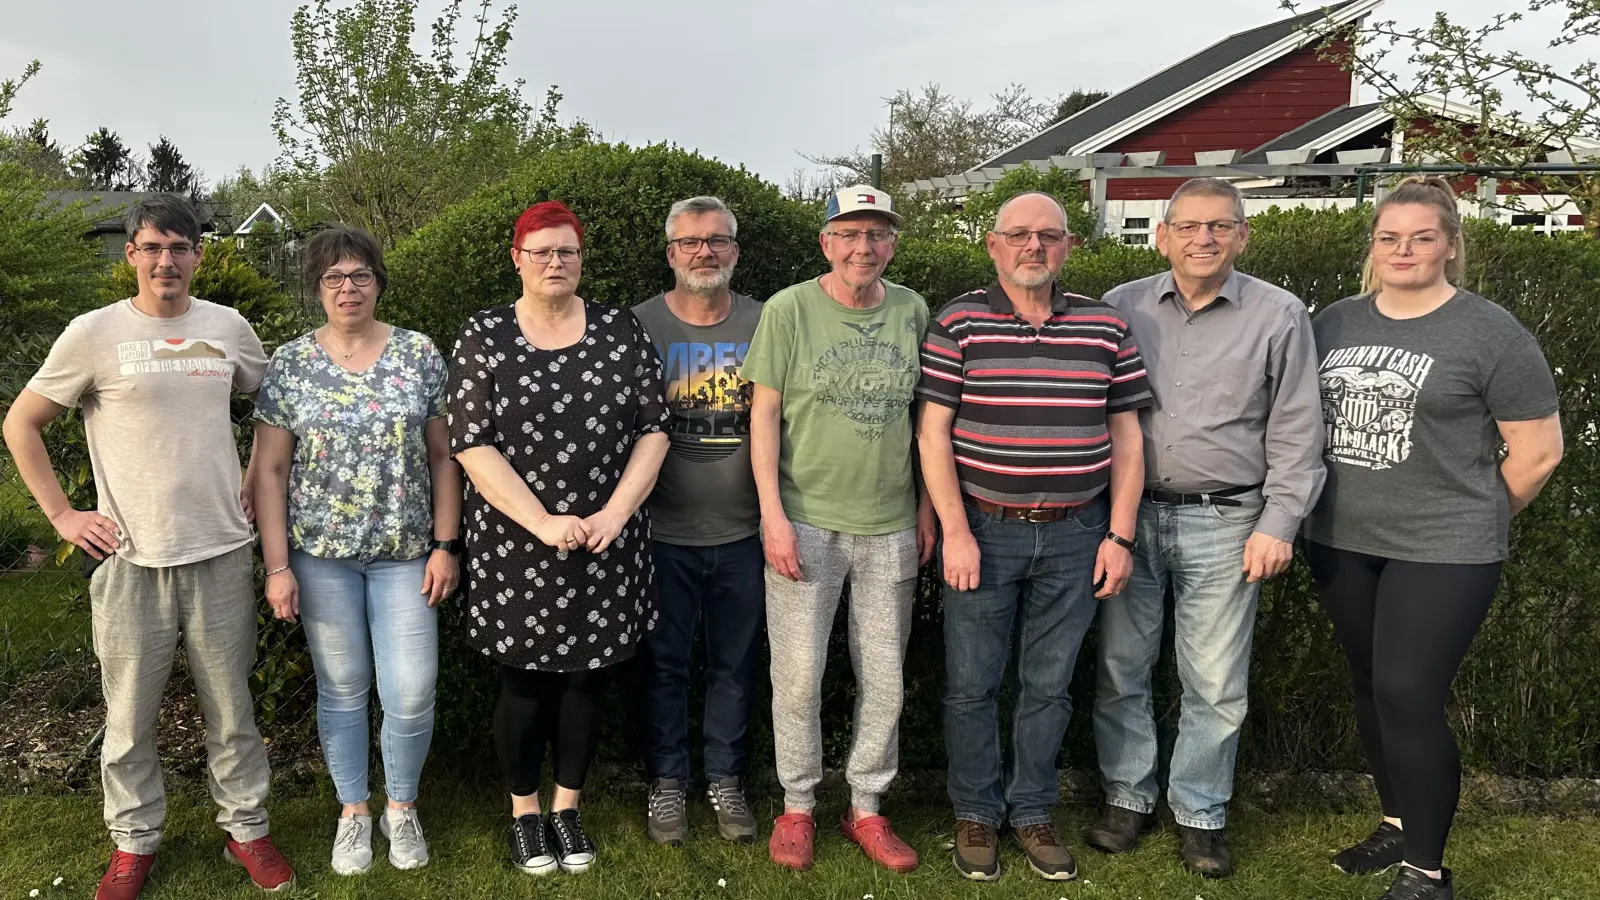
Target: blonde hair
[(1429, 190)]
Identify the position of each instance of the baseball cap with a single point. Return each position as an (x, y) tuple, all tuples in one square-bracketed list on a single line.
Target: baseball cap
[(860, 198)]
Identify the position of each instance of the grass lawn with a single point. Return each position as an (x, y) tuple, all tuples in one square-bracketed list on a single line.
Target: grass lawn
[(1283, 856)]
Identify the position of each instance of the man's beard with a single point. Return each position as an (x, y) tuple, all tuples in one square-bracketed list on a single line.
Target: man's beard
[(1031, 278), (705, 280)]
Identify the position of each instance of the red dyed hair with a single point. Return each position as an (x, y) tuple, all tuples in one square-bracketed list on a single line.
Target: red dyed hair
[(549, 214)]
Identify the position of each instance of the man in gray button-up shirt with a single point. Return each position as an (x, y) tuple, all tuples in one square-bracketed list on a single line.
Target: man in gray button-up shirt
[(1233, 462)]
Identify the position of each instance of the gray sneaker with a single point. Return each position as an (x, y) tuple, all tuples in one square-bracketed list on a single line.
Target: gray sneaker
[(407, 847), (352, 845), (667, 819), (734, 819)]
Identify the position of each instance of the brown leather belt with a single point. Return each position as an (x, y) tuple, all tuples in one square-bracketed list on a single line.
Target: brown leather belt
[(1037, 516)]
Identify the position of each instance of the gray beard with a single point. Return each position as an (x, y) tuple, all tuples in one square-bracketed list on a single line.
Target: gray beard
[(1030, 282), (704, 287)]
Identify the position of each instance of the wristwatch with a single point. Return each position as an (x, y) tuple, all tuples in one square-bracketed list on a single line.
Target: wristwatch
[(450, 546), (1120, 541)]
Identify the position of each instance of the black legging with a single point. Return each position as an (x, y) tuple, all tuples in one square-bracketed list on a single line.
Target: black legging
[(1405, 627), (539, 708)]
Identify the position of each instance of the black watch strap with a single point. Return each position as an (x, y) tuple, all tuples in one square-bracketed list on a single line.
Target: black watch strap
[(451, 546), (1119, 540)]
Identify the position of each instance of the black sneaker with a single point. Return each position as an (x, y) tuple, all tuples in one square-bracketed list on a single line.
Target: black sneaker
[(735, 822), (1380, 852), (1118, 829), (666, 819), (574, 851), (1205, 851), (530, 846), (1411, 884)]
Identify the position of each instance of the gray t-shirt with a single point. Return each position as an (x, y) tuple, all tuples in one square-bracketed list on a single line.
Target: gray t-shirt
[(1410, 407), (706, 492), (155, 395)]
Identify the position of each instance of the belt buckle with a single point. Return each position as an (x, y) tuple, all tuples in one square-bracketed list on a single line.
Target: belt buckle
[(1037, 516)]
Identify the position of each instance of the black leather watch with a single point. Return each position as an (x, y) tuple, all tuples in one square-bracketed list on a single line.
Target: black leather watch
[(1119, 540), (451, 546)]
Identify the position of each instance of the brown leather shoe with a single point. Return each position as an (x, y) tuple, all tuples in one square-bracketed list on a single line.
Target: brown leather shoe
[(977, 852), (1045, 853), (1205, 851), (1118, 829)]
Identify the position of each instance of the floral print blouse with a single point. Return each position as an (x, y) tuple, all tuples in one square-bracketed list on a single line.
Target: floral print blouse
[(360, 486)]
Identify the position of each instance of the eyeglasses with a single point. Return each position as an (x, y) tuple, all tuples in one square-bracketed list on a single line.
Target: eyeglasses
[(1219, 227), (719, 243), (154, 251), (1048, 237), (335, 280), (542, 256), (875, 235), (1420, 244)]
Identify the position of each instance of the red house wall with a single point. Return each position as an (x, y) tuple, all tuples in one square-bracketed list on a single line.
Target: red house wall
[(1243, 115)]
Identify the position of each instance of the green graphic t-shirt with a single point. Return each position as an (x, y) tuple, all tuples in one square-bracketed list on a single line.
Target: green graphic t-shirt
[(847, 377)]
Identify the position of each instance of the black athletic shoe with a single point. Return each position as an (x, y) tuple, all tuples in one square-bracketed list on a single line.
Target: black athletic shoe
[(1205, 851), (1118, 829), (1380, 852), (1411, 884), (574, 851), (530, 846)]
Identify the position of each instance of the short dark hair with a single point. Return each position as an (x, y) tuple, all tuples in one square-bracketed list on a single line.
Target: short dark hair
[(327, 247), (172, 213)]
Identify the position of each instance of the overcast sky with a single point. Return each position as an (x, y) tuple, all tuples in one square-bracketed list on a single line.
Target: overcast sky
[(757, 82)]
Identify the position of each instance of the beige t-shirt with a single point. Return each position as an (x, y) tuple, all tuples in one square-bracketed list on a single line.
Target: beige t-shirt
[(155, 395)]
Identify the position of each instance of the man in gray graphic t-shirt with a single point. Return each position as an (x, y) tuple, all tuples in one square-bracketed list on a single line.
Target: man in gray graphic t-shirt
[(705, 518)]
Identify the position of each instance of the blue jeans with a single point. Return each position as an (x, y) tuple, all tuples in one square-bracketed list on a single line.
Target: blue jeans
[(724, 582), (1198, 551), (360, 618), (1034, 582)]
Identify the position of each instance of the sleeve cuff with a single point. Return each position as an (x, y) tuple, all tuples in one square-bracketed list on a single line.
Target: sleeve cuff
[(1274, 522)]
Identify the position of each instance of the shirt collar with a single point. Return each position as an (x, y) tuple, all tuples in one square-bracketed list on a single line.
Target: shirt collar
[(999, 301), (1167, 288)]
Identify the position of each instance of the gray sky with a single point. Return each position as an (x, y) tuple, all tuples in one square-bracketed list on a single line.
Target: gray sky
[(755, 82)]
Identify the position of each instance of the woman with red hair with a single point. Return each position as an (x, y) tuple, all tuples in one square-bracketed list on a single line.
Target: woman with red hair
[(556, 413)]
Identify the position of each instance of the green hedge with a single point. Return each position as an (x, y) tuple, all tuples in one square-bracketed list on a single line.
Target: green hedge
[(1529, 696)]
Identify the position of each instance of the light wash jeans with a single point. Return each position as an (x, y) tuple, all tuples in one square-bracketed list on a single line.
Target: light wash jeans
[(362, 617), (1199, 551), (1035, 590)]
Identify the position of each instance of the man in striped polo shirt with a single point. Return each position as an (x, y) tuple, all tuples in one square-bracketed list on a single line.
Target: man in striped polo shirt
[(1029, 436)]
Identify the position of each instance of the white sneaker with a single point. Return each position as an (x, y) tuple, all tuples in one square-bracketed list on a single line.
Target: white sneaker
[(407, 848), (352, 845)]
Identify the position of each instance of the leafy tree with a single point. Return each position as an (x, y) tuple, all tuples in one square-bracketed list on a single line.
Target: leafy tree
[(1078, 101), (48, 268), (10, 87), (105, 164), (390, 136), (34, 150), (932, 133), (1525, 104), (167, 171)]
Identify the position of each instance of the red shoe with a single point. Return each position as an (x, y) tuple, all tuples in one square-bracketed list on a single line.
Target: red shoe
[(267, 867), (793, 839), (880, 843), (124, 878)]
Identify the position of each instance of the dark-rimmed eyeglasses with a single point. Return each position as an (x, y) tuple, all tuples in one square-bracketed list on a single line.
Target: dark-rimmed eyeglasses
[(719, 243), (360, 278), (1218, 227), (1048, 237), (542, 256), (154, 251)]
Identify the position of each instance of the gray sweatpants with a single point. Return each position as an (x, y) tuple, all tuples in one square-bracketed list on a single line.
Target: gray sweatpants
[(882, 573), (138, 614)]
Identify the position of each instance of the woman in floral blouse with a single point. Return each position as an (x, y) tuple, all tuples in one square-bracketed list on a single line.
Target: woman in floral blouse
[(359, 508)]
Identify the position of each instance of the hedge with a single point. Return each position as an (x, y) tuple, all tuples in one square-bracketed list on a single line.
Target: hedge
[(1528, 701)]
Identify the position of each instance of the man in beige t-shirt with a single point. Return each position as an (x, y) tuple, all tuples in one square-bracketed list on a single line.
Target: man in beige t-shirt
[(154, 375)]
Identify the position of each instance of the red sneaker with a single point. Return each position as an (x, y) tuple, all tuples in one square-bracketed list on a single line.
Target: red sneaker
[(880, 843), (124, 878), (267, 867), (793, 839)]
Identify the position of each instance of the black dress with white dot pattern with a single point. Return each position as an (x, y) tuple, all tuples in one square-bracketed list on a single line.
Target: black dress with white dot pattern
[(566, 420)]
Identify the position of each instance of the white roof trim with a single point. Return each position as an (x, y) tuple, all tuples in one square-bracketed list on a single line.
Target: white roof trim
[(1462, 112), (1294, 41), (1345, 132), (250, 220)]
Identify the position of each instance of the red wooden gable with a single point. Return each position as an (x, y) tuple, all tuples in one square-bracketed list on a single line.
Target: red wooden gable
[(1245, 114)]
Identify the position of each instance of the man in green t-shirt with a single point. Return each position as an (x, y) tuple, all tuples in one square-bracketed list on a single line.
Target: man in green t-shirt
[(834, 363)]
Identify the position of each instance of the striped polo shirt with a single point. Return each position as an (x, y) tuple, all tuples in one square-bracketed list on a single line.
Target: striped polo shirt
[(1031, 404)]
